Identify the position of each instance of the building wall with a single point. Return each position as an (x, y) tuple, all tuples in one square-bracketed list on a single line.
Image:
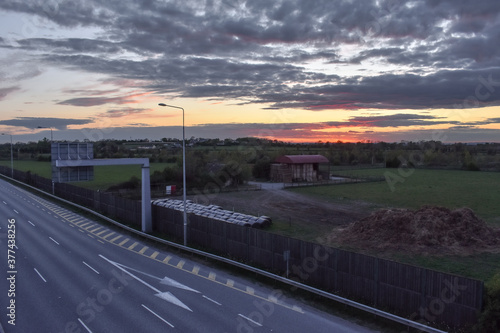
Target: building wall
[(304, 172), (288, 173)]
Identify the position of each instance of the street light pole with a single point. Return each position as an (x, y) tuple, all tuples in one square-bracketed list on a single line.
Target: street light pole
[(11, 156), (51, 141), (51, 136), (184, 190)]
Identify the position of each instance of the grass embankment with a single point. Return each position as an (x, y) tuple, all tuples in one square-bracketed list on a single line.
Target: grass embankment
[(416, 188)]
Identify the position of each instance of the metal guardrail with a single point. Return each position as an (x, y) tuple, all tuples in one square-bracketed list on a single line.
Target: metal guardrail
[(343, 300)]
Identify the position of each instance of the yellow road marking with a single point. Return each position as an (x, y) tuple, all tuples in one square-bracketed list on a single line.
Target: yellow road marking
[(115, 238), (143, 250), (250, 291), (167, 259), (123, 241), (131, 247), (101, 232), (154, 255), (212, 276), (110, 234), (195, 270), (230, 283), (180, 264)]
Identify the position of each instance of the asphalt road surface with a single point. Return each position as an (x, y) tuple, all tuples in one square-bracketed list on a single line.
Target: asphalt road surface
[(67, 273)]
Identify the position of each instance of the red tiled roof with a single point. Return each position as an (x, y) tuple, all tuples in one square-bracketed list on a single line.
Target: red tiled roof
[(301, 159)]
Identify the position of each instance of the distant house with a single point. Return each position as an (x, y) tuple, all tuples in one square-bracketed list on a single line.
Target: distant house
[(291, 168)]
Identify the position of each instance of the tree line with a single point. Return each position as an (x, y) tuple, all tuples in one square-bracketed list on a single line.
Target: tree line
[(231, 162)]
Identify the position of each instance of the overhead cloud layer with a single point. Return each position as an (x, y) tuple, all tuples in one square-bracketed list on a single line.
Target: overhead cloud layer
[(35, 122), (264, 51), (294, 54)]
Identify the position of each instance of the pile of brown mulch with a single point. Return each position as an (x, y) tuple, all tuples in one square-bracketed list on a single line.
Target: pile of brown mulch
[(429, 229)]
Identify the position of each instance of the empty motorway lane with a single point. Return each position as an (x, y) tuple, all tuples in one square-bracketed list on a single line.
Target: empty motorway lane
[(67, 273)]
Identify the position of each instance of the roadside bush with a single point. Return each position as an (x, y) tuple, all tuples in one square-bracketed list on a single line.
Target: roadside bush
[(262, 168), (472, 167), (489, 321), (393, 162), (132, 184)]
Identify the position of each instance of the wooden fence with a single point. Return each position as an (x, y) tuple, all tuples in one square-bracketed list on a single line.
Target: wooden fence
[(125, 210), (409, 291), (336, 181)]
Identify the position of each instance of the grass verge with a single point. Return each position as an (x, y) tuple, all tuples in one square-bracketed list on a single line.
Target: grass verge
[(414, 188)]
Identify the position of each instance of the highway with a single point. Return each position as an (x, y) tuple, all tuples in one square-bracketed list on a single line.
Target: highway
[(64, 272)]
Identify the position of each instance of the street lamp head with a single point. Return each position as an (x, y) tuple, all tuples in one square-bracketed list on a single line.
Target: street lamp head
[(171, 106)]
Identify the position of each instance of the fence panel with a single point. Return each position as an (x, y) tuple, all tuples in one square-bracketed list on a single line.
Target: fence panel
[(261, 248), (237, 242), (399, 288), (217, 236)]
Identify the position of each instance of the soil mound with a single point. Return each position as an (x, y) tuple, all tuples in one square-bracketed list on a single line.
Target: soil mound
[(427, 230)]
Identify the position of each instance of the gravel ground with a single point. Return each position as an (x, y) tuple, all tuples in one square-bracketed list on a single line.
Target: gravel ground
[(285, 205)]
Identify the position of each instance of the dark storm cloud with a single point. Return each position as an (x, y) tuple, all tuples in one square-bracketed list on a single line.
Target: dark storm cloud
[(488, 121), (35, 122), (123, 112), (257, 51), (396, 120), (70, 45), (93, 101), (65, 13), (6, 91)]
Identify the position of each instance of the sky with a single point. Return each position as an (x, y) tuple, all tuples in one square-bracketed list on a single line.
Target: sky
[(296, 71)]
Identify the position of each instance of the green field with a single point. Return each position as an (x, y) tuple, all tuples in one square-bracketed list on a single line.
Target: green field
[(479, 191), (104, 176), (415, 188), (407, 188)]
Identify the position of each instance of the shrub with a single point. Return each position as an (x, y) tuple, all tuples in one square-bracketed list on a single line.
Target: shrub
[(132, 184), (489, 321)]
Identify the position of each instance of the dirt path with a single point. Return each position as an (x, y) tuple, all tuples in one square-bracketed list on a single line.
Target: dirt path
[(286, 205)]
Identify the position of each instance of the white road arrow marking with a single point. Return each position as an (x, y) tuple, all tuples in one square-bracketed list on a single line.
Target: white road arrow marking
[(166, 280), (167, 296), (171, 282)]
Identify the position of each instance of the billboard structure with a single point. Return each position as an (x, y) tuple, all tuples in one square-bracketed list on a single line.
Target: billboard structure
[(74, 161), (72, 151)]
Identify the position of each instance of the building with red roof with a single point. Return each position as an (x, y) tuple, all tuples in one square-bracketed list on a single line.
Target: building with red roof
[(293, 168)]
